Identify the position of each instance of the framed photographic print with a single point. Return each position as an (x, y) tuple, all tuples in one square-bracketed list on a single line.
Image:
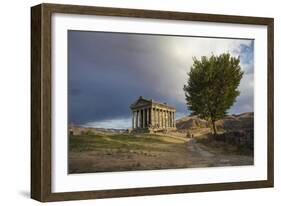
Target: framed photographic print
[(130, 102)]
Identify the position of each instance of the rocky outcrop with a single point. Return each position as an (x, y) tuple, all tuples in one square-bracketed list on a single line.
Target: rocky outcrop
[(242, 121), (229, 123), (191, 122), (233, 129)]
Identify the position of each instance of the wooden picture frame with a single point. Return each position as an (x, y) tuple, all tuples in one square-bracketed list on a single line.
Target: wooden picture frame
[(41, 98)]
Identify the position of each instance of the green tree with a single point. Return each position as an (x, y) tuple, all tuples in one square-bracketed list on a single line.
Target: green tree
[(212, 86)]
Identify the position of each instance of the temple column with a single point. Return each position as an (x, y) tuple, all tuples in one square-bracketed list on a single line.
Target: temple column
[(133, 120), (137, 119), (143, 118), (160, 120), (170, 115), (170, 119), (173, 119), (163, 117), (159, 117), (151, 117), (166, 120), (140, 118), (163, 120), (167, 114), (156, 117), (147, 117)]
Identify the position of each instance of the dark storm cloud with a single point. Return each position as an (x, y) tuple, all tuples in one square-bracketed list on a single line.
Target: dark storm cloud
[(109, 71)]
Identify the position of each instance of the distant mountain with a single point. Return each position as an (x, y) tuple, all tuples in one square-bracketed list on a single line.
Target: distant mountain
[(230, 122)]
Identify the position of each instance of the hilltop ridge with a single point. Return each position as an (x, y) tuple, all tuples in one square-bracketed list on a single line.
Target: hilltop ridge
[(230, 122)]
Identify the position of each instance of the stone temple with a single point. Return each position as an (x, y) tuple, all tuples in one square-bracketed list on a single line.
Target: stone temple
[(151, 116)]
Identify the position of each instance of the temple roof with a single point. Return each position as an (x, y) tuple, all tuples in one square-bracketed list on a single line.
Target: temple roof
[(145, 102)]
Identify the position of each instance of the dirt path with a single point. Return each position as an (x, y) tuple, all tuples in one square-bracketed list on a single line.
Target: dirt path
[(193, 147), (203, 158)]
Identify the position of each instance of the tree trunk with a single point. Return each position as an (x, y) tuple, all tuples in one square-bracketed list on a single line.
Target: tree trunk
[(214, 127)]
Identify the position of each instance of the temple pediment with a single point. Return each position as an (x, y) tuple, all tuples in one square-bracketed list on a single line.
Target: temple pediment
[(141, 102)]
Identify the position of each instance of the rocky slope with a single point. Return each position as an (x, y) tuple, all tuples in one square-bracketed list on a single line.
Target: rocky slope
[(233, 129), (229, 122)]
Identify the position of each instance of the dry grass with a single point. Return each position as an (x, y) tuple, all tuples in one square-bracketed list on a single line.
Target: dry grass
[(125, 152)]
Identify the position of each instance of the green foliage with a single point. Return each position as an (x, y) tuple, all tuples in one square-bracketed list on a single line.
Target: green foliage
[(212, 86)]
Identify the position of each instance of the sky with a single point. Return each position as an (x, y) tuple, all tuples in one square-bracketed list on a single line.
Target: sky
[(107, 72)]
